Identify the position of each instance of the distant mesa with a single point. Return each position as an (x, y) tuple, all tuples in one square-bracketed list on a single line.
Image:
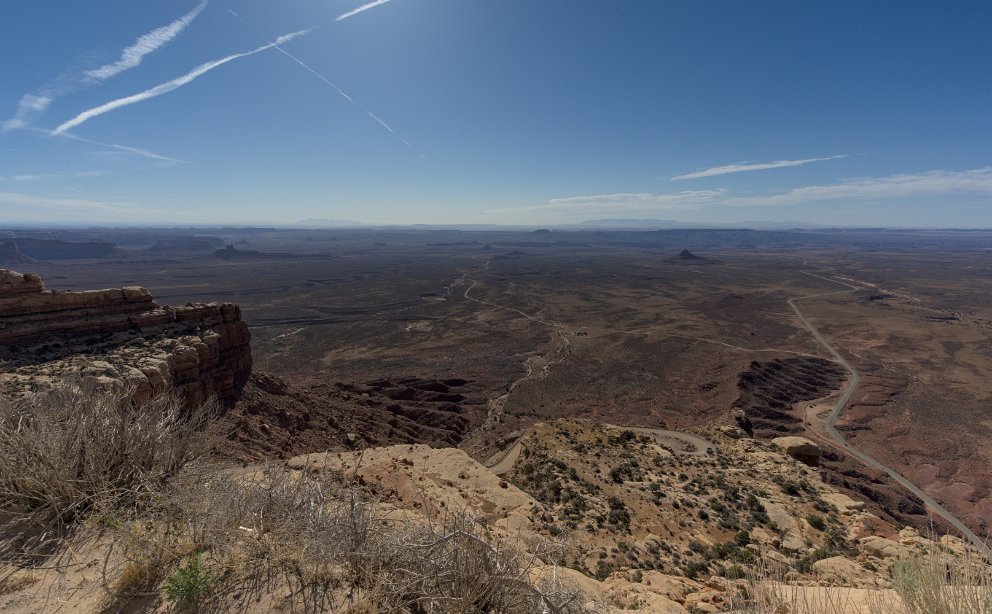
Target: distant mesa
[(514, 254), (321, 222), (10, 255), (232, 253), (49, 249), (877, 297), (196, 244), (541, 231), (687, 257)]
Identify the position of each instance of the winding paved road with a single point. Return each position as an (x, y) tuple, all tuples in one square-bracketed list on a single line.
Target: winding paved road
[(831, 429), (678, 441)]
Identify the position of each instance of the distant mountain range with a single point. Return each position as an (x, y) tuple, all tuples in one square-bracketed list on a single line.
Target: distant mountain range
[(646, 224), (321, 222)]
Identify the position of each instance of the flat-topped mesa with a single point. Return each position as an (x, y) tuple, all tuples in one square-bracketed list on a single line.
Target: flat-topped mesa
[(119, 335)]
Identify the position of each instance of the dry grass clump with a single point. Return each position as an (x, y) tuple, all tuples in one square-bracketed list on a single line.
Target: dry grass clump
[(74, 448), (941, 582), (317, 542), (178, 530), (938, 581)]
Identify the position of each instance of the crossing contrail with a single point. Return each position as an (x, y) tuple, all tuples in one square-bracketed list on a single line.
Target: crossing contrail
[(169, 86), (337, 88)]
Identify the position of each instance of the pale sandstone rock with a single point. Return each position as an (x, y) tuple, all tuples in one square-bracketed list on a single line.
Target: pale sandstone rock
[(732, 432), (790, 536), (844, 504), (800, 448), (840, 570), (884, 548), (955, 544), (911, 537)]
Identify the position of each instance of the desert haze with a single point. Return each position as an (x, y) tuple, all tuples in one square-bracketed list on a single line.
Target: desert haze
[(662, 406), (496, 307)]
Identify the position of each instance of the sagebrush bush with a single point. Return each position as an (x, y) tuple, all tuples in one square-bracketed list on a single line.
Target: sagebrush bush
[(325, 542), (76, 447), (316, 540)]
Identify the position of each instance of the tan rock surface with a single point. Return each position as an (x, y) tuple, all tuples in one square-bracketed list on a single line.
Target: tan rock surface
[(800, 448), (119, 336)]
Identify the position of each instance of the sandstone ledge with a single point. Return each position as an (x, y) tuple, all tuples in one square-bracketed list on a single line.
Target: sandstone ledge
[(119, 336)]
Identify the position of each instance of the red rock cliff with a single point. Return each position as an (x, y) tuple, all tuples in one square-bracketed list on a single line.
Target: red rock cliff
[(119, 335)]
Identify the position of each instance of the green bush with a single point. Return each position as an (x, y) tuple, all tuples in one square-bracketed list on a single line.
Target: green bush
[(190, 584)]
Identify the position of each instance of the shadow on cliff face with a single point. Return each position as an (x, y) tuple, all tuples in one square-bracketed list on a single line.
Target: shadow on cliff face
[(279, 418)]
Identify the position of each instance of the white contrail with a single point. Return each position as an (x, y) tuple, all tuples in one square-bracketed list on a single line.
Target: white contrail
[(361, 9), (144, 153), (168, 86), (39, 101), (132, 56), (340, 91), (744, 167)]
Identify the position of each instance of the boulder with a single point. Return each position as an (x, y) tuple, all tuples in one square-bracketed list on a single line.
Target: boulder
[(800, 448), (884, 548), (844, 504), (839, 570), (732, 432)]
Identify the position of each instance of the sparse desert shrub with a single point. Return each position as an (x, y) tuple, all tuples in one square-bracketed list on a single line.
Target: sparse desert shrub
[(790, 489), (189, 533), (940, 582), (619, 516), (77, 447), (190, 584), (817, 522), (317, 539)]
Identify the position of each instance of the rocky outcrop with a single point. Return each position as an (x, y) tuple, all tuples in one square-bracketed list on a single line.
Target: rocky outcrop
[(119, 335), (800, 448)]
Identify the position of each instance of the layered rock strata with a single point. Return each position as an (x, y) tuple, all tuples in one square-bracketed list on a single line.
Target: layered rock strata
[(119, 335)]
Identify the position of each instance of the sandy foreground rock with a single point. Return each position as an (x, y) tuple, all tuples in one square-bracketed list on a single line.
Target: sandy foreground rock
[(414, 482)]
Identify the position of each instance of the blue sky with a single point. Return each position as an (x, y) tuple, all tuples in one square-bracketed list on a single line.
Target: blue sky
[(495, 111)]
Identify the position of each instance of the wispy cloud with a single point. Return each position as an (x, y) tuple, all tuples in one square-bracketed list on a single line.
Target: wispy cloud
[(73, 174), (900, 186), (37, 102), (168, 86), (148, 43), (744, 167), (29, 104), (136, 151), (13, 199), (974, 181), (361, 9)]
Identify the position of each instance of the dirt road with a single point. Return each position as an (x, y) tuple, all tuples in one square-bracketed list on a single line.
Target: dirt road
[(678, 441), (831, 429)]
